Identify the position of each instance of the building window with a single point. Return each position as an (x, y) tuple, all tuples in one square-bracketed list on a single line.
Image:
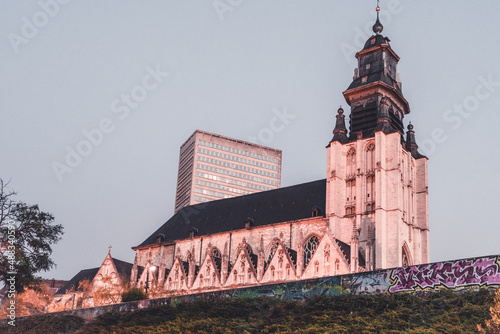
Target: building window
[(405, 257), (309, 249)]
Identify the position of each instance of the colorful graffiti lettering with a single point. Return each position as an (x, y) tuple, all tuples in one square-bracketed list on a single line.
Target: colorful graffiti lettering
[(450, 274), (367, 283)]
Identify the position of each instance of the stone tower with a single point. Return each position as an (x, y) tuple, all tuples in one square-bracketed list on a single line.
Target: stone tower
[(377, 196)]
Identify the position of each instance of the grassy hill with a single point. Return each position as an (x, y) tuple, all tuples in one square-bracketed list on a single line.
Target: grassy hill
[(441, 312)]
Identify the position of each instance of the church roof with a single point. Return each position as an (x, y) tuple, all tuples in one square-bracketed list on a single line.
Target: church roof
[(123, 268), (264, 208), (73, 283)]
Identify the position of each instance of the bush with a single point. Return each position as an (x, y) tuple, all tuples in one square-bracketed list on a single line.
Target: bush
[(134, 294)]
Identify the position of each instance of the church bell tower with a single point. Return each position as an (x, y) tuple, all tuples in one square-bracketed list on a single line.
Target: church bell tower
[(377, 196)]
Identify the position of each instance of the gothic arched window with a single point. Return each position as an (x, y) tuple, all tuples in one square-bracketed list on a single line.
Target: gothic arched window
[(217, 257), (309, 249), (272, 250), (405, 257), (215, 253)]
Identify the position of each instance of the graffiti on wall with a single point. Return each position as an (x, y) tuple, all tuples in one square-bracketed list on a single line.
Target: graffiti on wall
[(449, 274), (366, 283), (481, 272)]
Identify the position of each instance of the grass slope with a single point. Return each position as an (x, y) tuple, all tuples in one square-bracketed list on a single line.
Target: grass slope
[(441, 312)]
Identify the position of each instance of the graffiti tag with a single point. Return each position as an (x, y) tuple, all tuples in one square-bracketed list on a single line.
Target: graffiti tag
[(450, 274)]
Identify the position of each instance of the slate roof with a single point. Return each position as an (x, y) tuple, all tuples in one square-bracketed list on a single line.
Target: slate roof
[(73, 282), (264, 208), (123, 268)]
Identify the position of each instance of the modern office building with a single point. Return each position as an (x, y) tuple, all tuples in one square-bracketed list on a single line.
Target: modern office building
[(213, 167)]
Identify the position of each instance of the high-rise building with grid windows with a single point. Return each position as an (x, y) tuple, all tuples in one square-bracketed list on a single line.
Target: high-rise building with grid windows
[(213, 167)]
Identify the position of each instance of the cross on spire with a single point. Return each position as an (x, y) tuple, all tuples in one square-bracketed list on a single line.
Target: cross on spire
[(109, 249)]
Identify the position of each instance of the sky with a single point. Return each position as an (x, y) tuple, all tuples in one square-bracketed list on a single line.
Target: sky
[(96, 98)]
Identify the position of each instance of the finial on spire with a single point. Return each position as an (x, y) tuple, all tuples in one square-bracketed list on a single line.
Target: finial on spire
[(109, 249), (378, 27)]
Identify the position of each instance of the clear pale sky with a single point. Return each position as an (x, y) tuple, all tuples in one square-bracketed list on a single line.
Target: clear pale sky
[(67, 69)]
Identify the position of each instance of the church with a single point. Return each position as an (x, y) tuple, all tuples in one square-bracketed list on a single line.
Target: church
[(369, 213)]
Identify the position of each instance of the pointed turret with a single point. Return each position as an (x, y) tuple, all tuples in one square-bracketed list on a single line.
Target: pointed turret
[(411, 143), (340, 131)]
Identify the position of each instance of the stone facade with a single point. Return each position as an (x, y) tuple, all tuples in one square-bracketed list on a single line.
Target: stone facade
[(93, 287), (280, 252), (372, 213)]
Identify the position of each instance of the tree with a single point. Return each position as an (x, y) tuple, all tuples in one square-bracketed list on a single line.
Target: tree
[(26, 238), (492, 325), (134, 294), (31, 302)]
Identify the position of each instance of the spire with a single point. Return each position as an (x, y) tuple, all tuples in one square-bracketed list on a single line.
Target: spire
[(340, 131), (378, 27), (411, 143), (376, 77)]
